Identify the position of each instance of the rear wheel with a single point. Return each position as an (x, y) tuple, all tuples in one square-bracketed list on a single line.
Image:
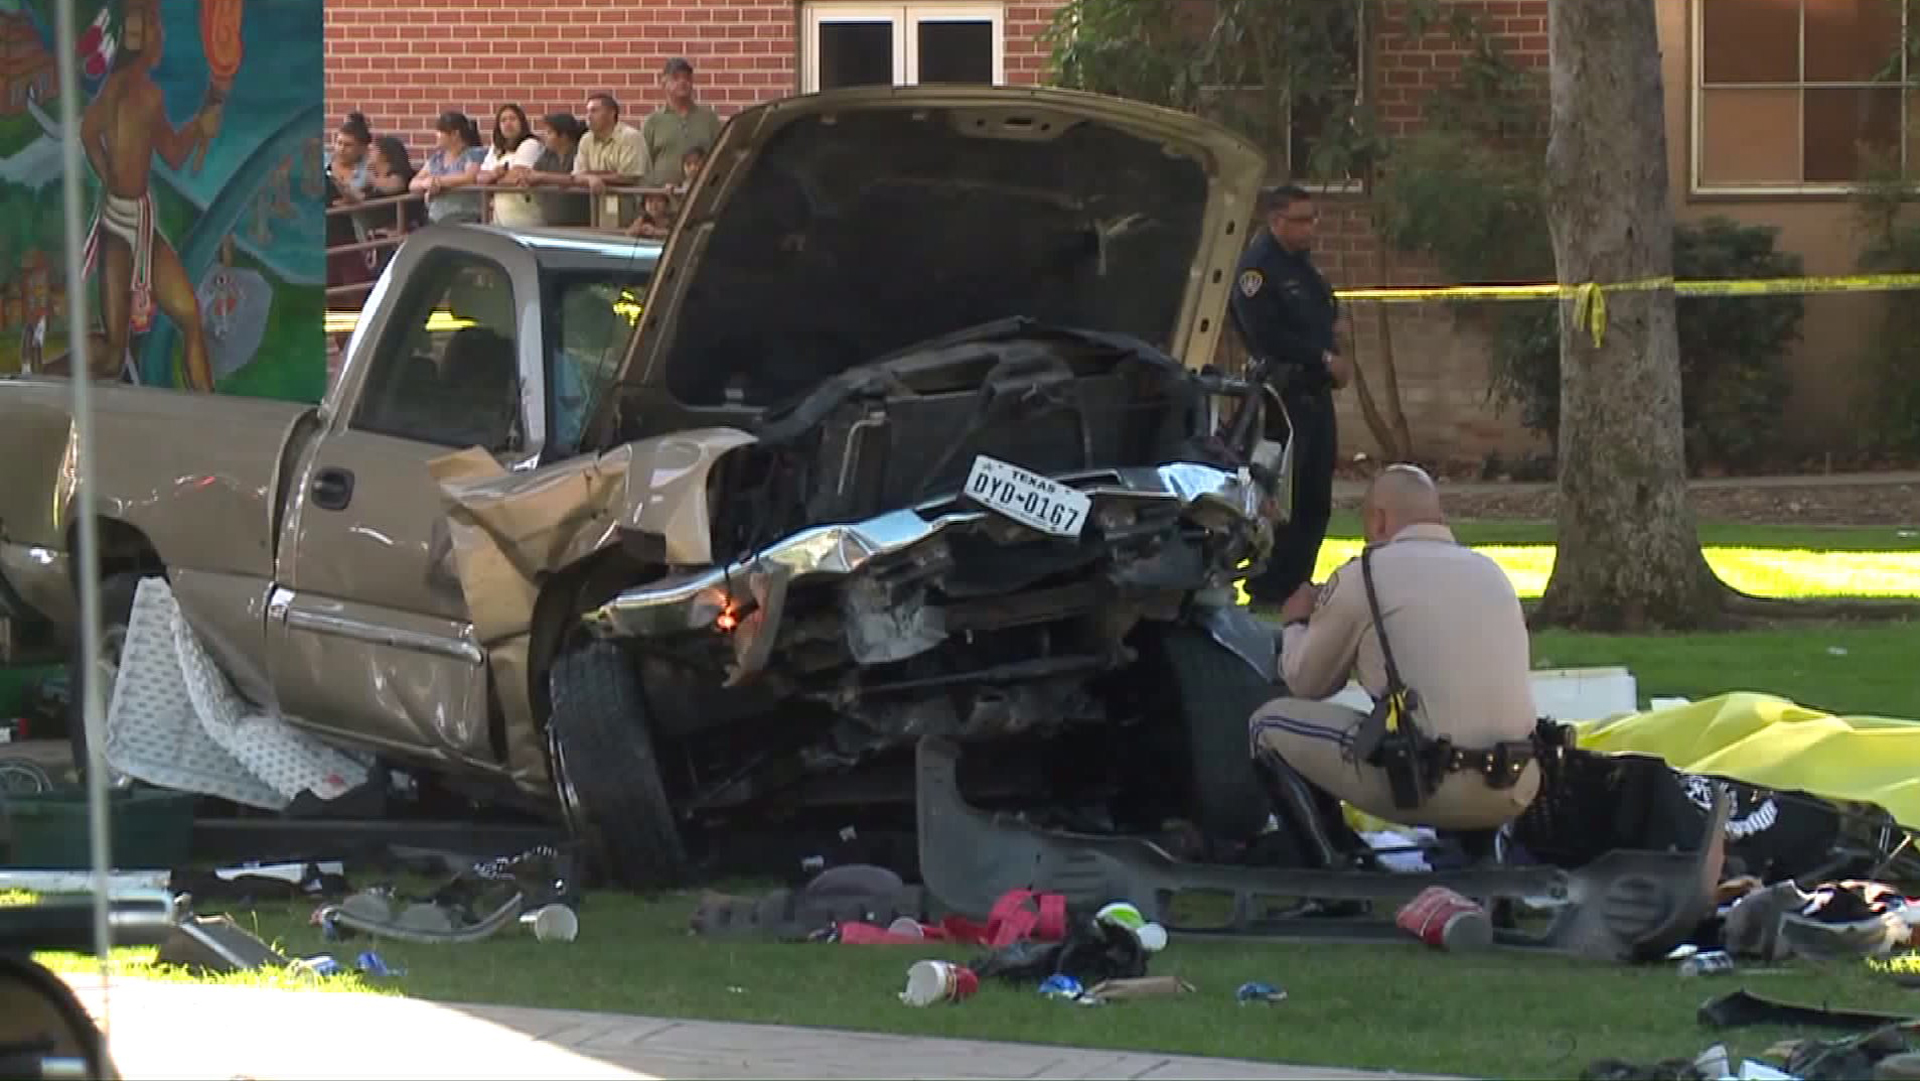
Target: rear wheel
[(1212, 695), (604, 768)]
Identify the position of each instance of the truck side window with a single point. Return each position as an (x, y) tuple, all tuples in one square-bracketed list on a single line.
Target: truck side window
[(448, 371), (593, 317)]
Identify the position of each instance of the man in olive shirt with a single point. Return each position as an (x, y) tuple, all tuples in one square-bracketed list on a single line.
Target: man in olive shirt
[(676, 127)]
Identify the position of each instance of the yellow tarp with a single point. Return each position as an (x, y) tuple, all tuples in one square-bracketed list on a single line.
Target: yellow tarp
[(1773, 743)]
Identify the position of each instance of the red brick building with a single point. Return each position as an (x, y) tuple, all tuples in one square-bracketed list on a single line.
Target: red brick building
[(402, 61), (1731, 68)]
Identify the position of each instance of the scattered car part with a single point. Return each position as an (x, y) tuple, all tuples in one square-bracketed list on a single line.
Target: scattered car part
[(1623, 906), (216, 944)]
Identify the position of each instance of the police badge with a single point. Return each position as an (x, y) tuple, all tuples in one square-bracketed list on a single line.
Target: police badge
[(1251, 281)]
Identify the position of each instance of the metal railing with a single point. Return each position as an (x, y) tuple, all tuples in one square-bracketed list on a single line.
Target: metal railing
[(400, 206)]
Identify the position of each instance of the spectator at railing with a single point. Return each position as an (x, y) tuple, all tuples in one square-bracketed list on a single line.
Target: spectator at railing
[(691, 163), (677, 126), (610, 154), (453, 165), (560, 137), (390, 172), (343, 267), (348, 165), (514, 147), (656, 218)]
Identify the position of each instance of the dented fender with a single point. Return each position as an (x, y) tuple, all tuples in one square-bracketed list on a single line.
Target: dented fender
[(509, 531)]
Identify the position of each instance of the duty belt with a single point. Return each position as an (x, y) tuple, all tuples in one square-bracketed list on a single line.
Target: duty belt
[(1501, 765)]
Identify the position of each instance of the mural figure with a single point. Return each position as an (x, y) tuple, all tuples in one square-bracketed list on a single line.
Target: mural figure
[(203, 262), (123, 128)]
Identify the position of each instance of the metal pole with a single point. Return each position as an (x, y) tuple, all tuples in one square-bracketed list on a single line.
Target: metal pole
[(87, 569)]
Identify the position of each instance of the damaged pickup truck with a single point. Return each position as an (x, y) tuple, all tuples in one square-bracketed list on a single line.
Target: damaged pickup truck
[(906, 432)]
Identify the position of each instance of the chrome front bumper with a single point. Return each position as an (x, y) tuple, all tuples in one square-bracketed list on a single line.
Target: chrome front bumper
[(697, 600)]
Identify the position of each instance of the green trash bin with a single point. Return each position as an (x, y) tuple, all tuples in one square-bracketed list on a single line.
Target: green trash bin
[(152, 829)]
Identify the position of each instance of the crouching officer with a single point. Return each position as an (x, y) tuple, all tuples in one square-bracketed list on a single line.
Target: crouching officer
[(1284, 311), (1450, 743)]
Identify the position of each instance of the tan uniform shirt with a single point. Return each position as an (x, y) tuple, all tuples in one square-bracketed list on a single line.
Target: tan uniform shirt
[(1458, 636)]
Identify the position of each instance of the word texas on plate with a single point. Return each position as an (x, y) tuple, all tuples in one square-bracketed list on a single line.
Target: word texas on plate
[(1028, 499)]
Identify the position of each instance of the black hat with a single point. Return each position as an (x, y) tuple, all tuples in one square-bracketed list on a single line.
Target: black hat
[(679, 65)]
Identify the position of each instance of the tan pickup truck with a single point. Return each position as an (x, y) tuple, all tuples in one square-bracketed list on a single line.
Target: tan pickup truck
[(903, 433)]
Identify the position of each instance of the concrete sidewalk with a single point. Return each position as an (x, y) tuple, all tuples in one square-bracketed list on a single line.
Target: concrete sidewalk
[(166, 1030)]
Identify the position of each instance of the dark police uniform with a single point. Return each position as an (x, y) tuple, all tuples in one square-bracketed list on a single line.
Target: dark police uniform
[(1284, 311)]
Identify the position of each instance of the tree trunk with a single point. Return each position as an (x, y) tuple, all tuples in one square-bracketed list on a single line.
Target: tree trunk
[(1629, 552)]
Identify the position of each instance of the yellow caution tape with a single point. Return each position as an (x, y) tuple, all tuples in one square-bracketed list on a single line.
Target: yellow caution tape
[(1590, 298), (628, 307)]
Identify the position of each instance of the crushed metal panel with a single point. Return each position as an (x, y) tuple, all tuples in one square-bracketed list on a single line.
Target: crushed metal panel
[(510, 529)]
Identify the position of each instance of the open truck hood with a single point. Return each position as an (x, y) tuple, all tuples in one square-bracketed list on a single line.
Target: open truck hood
[(834, 229)]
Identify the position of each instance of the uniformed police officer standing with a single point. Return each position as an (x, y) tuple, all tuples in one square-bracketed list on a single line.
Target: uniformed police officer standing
[(1284, 311)]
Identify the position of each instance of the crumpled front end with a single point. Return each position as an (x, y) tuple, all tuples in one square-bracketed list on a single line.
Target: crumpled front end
[(952, 618)]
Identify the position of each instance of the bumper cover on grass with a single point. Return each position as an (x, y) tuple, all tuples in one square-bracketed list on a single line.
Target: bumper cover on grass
[(1624, 906)]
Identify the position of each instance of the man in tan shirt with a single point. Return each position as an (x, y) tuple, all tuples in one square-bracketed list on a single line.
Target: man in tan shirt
[(1459, 640), (610, 154)]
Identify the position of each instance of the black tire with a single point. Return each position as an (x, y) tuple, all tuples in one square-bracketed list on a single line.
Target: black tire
[(1212, 694), (605, 771), (116, 607)]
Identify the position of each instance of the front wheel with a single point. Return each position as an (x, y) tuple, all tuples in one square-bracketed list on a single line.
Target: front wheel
[(604, 768), (1212, 695)]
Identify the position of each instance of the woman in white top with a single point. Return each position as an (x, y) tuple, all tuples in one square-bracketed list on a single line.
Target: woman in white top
[(514, 145)]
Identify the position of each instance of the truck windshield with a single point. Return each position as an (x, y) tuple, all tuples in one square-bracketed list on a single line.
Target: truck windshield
[(593, 315)]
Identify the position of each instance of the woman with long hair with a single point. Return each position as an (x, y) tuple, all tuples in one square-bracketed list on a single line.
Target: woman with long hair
[(454, 164), (514, 147)]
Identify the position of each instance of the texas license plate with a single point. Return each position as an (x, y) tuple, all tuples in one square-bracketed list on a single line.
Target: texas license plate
[(1028, 499)]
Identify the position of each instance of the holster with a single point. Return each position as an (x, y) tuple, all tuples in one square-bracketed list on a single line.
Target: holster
[(1397, 748), (1399, 752)]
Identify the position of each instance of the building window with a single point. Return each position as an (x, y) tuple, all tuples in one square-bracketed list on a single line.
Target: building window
[(1295, 132), (863, 43), (1795, 95)]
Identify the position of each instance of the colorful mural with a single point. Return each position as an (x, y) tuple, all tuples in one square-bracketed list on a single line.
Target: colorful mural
[(204, 257)]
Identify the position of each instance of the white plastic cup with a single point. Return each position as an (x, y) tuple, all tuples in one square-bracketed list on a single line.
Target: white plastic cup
[(1153, 937), (553, 923), (930, 982)]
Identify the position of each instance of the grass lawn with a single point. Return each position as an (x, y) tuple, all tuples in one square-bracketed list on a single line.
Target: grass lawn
[(1404, 1008), (1383, 1007), (1841, 668), (1767, 561)]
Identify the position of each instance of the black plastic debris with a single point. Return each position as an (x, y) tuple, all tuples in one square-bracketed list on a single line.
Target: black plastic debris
[(1739, 1009)]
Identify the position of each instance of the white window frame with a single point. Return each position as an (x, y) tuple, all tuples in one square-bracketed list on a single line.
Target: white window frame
[(1696, 93), (905, 18)]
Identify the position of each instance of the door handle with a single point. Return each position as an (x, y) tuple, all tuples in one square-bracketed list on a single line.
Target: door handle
[(332, 488)]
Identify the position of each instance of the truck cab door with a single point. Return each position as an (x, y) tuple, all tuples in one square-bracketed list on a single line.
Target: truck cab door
[(369, 633)]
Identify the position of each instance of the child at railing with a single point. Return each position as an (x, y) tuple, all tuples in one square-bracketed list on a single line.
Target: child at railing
[(656, 217)]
